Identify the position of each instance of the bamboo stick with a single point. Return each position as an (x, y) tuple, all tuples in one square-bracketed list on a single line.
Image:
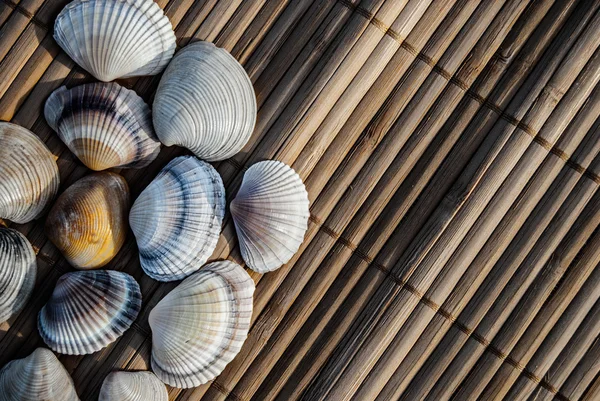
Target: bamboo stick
[(583, 374)]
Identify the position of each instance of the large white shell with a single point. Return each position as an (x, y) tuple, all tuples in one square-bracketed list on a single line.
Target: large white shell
[(177, 218), (270, 213), (104, 125), (40, 376), (29, 174), (133, 386), (116, 38), (200, 326), (88, 310), (205, 102), (18, 269)]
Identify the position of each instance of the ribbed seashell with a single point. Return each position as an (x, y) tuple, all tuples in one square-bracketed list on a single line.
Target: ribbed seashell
[(18, 269), (270, 213), (177, 219), (88, 222), (89, 310), (205, 102), (104, 125), (133, 386), (200, 326), (29, 174), (116, 38)]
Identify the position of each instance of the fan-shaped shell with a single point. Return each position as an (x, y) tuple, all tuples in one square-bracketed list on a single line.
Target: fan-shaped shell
[(104, 125), (133, 386), (29, 174), (39, 376), (89, 310), (205, 102), (200, 326), (116, 38), (177, 219), (17, 272), (270, 213)]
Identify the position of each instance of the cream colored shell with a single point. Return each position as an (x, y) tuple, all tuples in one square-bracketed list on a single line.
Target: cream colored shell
[(133, 386)]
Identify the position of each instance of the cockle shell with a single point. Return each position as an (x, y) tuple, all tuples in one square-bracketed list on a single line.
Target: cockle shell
[(200, 326), (89, 310), (271, 214), (104, 125), (116, 38), (177, 219), (29, 174), (133, 386), (18, 269), (205, 102)]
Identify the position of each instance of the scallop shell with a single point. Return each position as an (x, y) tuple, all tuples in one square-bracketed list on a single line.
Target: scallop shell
[(29, 174), (89, 310), (116, 38), (18, 269), (39, 376), (133, 386), (177, 219), (104, 125), (205, 102), (200, 326), (271, 214)]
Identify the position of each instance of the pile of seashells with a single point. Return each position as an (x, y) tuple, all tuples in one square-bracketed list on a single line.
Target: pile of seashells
[(205, 102)]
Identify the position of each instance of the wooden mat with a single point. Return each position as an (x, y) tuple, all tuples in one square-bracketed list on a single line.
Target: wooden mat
[(451, 153)]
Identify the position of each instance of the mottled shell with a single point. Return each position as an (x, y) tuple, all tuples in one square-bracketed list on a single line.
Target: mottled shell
[(116, 38), (40, 376), (200, 326), (205, 102), (270, 213), (18, 269), (89, 310), (177, 218), (29, 174), (133, 386), (104, 125)]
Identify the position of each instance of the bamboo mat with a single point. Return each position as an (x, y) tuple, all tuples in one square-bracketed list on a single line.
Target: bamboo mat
[(450, 149)]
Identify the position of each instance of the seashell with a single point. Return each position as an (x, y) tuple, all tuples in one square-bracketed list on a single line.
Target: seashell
[(205, 102), (104, 125), (116, 38), (270, 213), (89, 310), (88, 222), (39, 376), (133, 386), (200, 326), (18, 269), (177, 219), (29, 174)]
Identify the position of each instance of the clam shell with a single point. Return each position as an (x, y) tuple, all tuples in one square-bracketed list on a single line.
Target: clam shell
[(200, 326), (18, 269), (116, 38), (270, 213), (88, 222), (89, 310), (205, 102), (29, 174), (177, 219), (104, 125), (133, 386)]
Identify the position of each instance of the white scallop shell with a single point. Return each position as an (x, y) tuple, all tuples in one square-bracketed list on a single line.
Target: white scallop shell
[(88, 310), (270, 213), (116, 38), (18, 269), (205, 102), (39, 376), (104, 125), (177, 219), (200, 326), (133, 386), (29, 174)]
